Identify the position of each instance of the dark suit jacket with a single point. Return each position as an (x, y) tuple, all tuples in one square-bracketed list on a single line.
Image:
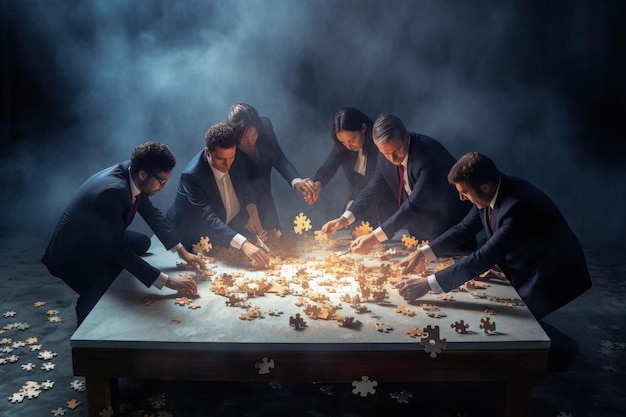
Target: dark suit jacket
[(531, 243), (89, 237), (346, 158), (433, 206), (268, 155), (198, 209)]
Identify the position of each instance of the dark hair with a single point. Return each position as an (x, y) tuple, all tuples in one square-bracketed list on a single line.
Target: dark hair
[(350, 119), (474, 169), (220, 135), (152, 157), (386, 127), (240, 116)]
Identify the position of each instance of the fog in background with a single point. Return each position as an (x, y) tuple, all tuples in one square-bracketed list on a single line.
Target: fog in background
[(538, 87)]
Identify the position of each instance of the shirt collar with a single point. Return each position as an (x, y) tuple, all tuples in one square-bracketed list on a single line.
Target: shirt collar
[(134, 190), (492, 203), (216, 172)]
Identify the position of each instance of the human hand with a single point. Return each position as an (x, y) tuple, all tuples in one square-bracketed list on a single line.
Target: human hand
[(364, 244), (254, 225), (193, 260), (413, 289), (256, 254), (185, 285), (409, 263), (312, 197), (305, 187), (332, 226)]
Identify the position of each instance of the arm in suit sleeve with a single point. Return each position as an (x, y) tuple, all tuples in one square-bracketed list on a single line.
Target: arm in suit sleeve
[(110, 207), (512, 233), (329, 168), (375, 189), (279, 160), (158, 223)]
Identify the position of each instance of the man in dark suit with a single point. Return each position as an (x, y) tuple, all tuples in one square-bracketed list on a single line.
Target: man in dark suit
[(527, 237), (411, 171), (90, 245), (214, 198)]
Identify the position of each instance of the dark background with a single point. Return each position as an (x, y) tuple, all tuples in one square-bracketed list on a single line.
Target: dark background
[(539, 86)]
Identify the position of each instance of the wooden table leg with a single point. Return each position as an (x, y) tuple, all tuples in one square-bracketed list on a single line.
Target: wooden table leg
[(517, 398), (101, 393)]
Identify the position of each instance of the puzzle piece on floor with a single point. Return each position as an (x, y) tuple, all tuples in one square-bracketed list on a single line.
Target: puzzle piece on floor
[(460, 326), (78, 385), (46, 355), (431, 341), (16, 397), (265, 366), (203, 246), (54, 319), (328, 389), (58, 411), (48, 366), (402, 396), (297, 322), (487, 325), (28, 367), (38, 304), (72, 404), (364, 387), (383, 327), (9, 314), (106, 412), (302, 223), (46, 385), (320, 236), (52, 312)]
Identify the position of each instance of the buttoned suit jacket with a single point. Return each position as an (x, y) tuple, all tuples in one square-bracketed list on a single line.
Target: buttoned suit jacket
[(88, 243), (198, 209), (531, 243), (347, 159), (270, 155), (433, 205)]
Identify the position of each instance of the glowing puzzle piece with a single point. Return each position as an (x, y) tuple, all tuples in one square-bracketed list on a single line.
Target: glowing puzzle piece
[(302, 223), (203, 246), (409, 241), (363, 229)]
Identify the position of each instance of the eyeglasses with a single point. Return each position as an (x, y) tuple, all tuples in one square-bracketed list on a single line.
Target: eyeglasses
[(161, 181)]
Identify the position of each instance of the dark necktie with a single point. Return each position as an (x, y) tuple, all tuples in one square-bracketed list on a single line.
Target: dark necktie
[(401, 187), (489, 210), (136, 203)]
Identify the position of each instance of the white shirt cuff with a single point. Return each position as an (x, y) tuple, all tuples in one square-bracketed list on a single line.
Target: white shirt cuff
[(176, 247), (348, 216), (238, 241), (160, 281), (295, 181), (429, 255), (380, 234), (434, 285)]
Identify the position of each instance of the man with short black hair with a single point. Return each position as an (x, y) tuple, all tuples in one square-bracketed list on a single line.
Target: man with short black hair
[(91, 244)]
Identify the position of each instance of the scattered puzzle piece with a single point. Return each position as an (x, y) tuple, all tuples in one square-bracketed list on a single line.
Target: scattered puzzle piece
[(265, 366), (72, 404), (409, 241), (297, 322), (58, 411), (402, 396), (487, 325), (363, 229), (383, 327), (77, 385), (460, 327), (364, 387), (433, 344), (302, 223)]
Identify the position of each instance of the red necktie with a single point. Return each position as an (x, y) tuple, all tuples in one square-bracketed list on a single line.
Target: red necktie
[(401, 187), (136, 204)]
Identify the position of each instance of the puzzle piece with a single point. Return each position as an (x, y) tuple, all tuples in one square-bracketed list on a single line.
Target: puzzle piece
[(364, 387), (48, 366), (402, 309), (9, 314), (302, 223), (77, 385), (46, 385), (487, 325), (415, 332), (28, 367), (402, 396), (349, 322), (363, 229), (297, 322), (409, 241), (72, 404), (46, 355), (16, 397), (203, 246), (433, 344), (383, 327), (54, 319), (265, 366), (320, 236), (460, 327), (58, 411), (38, 304)]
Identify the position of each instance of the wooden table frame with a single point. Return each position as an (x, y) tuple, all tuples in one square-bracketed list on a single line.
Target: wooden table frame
[(514, 369)]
